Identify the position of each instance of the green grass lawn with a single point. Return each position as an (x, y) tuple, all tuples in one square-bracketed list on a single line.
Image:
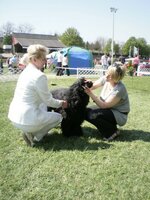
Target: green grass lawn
[(85, 168)]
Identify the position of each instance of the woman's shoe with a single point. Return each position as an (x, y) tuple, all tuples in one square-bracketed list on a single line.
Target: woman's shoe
[(28, 138), (113, 136)]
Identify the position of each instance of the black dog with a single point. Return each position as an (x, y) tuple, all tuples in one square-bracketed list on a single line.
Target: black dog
[(77, 102)]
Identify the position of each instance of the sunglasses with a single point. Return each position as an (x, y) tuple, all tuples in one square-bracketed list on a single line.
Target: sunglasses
[(118, 68)]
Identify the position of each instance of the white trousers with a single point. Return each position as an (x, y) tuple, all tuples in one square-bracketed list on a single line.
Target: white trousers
[(39, 131)]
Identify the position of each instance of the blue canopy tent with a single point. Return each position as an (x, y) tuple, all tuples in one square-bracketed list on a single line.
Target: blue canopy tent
[(78, 58)]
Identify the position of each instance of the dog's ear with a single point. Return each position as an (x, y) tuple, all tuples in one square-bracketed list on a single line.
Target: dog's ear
[(89, 84), (81, 82)]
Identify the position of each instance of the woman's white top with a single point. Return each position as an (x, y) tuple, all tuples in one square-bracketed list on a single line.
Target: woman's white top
[(31, 91)]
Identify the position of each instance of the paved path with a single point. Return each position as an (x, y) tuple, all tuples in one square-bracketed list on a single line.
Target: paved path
[(8, 77), (14, 77)]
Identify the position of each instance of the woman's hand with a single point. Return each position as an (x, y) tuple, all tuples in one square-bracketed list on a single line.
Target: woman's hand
[(64, 104), (87, 90), (95, 99)]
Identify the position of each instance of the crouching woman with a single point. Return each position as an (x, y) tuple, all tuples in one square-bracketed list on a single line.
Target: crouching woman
[(112, 107), (28, 109)]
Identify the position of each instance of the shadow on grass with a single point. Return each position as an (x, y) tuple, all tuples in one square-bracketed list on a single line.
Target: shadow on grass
[(132, 135), (90, 141), (126, 135)]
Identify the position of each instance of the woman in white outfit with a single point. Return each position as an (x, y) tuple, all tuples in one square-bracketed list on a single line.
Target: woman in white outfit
[(28, 109)]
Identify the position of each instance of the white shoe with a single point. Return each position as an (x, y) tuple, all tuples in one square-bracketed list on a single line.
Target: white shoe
[(38, 138), (113, 136), (28, 137)]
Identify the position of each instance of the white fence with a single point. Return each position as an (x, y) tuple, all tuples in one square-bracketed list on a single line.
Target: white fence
[(92, 72), (143, 70)]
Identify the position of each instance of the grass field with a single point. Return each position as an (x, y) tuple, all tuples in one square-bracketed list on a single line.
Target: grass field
[(83, 168)]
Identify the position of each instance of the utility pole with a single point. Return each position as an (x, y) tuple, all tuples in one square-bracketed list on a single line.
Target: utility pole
[(113, 10)]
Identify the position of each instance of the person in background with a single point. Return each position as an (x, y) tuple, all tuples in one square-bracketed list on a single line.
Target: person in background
[(104, 62), (1, 65), (112, 106), (28, 109), (135, 63), (59, 64), (65, 64), (23, 62), (122, 59), (14, 61), (109, 59)]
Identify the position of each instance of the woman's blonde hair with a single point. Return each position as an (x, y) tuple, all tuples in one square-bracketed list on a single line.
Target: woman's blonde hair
[(37, 51), (117, 71), (24, 60)]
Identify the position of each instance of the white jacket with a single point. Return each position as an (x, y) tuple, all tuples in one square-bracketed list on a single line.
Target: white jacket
[(30, 93)]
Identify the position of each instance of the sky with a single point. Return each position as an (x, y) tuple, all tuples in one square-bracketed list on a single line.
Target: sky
[(92, 18)]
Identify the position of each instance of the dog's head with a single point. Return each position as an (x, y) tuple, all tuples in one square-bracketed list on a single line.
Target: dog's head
[(76, 96), (85, 83), (80, 84)]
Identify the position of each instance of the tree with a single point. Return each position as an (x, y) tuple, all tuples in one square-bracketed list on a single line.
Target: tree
[(107, 48), (117, 48), (97, 46), (139, 43), (143, 47), (7, 29), (71, 37), (7, 39), (25, 28), (127, 49), (102, 42), (87, 45)]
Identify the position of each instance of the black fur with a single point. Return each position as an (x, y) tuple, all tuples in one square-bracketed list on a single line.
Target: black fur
[(77, 102)]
